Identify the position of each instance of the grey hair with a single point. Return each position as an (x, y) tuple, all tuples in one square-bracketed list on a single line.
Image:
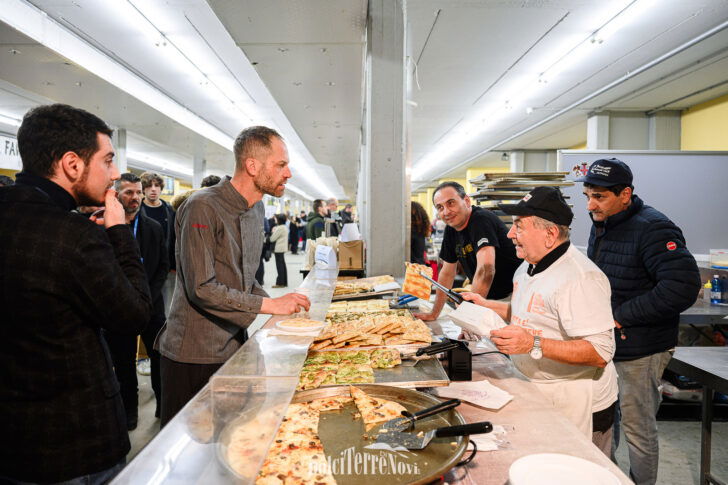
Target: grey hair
[(542, 223)]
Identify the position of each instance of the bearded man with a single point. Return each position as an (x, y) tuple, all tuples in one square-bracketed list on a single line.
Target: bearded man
[(219, 240)]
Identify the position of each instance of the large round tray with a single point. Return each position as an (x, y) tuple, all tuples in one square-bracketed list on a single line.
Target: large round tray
[(344, 441)]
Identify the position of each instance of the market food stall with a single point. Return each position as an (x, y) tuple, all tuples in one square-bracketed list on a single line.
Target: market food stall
[(224, 434)]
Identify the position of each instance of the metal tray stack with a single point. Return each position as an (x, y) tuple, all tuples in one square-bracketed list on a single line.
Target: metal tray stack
[(508, 188)]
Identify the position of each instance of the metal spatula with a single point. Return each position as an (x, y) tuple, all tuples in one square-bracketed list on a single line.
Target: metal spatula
[(420, 440), (408, 420)]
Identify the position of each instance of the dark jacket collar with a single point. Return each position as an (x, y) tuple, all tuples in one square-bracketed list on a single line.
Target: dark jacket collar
[(231, 194), (549, 259), (55, 192), (622, 216)]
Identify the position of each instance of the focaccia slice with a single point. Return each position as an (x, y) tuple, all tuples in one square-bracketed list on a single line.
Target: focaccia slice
[(375, 410), (414, 284)]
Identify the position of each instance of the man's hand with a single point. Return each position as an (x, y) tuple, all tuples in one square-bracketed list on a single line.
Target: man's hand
[(512, 339), (426, 317), (616, 324), (286, 304), (113, 213), (474, 298)]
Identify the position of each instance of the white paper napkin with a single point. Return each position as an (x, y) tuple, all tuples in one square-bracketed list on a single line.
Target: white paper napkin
[(476, 319), (490, 441), (481, 393)]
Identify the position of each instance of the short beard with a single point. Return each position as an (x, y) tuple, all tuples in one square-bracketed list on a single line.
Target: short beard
[(81, 192), (266, 184)]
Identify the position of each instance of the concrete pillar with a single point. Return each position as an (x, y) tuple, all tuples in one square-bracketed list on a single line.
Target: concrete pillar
[(597, 131), (199, 166), (387, 196), (120, 150), (664, 130)]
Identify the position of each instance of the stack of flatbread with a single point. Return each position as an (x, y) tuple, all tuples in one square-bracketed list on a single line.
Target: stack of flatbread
[(372, 331), (358, 306), (414, 284)]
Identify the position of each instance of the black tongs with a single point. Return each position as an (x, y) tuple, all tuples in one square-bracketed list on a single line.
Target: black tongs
[(448, 292)]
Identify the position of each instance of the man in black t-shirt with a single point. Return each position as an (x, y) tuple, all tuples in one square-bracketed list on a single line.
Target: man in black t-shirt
[(478, 240)]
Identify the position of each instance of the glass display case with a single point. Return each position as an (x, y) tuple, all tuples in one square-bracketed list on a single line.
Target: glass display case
[(223, 434)]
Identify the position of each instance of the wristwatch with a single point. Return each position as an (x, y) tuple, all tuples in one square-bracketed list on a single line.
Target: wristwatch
[(536, 352)]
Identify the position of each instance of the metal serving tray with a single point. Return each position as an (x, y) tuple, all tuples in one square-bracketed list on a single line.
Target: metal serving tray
[(345, 440)]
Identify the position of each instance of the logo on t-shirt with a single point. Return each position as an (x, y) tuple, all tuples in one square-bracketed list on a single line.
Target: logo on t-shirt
[(671, 246), (483, 241), (463, 251)]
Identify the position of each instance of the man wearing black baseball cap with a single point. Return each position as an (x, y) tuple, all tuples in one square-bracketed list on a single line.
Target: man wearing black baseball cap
[(560, 335), (653, 278)]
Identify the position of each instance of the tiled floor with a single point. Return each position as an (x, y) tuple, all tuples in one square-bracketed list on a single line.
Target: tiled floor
[(679, 440)]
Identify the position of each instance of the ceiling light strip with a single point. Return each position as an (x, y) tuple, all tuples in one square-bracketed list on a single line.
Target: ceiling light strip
[(602, 90), (37, 25)]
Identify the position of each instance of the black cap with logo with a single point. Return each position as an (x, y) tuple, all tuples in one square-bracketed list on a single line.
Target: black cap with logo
[(544, 202), (608, 172)]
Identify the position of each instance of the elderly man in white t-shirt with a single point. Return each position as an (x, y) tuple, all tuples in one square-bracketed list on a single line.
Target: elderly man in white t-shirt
[(561, 334)]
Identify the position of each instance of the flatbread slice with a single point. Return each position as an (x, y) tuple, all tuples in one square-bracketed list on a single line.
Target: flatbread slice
[(375, 410), (385, 358)]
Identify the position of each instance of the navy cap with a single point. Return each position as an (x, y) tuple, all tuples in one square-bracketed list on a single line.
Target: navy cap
[(544, 202), (608, 172)]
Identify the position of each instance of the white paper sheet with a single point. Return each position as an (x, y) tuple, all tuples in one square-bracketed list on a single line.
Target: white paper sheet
[(481, 393), (476, 319)]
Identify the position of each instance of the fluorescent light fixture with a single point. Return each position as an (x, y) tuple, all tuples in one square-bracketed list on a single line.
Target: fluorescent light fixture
[(37, 25), (162, 164), (574, 50), (10, 120), (298, 191)]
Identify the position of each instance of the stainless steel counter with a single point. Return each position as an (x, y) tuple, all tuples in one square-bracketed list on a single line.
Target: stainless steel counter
[(254, 388)]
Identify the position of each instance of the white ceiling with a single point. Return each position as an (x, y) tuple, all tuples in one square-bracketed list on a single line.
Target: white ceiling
[(298, 66)]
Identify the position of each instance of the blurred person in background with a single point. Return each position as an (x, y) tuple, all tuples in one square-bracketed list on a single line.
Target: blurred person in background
[(279, 239), (315, 225), (123, 347), (332, 216), (419, 231), (294, 233), (346, 214), (209, 181)]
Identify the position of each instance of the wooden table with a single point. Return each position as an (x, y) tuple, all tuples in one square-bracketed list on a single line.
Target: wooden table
[(709, 366)]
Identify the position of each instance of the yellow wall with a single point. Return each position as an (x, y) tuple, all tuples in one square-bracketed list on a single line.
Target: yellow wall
[(580, 146), (705, 126), (9, 173)]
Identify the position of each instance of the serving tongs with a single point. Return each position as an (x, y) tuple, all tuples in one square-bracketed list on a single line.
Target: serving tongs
[(411, 359), (457, 299), (408, 419)]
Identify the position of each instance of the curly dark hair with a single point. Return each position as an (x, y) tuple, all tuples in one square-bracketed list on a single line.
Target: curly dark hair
[(250, 141), (149, 178), (209, 181), (50, 131), (420, 220)]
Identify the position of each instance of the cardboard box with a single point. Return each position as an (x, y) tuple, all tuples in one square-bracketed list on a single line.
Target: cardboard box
[(351, 255)]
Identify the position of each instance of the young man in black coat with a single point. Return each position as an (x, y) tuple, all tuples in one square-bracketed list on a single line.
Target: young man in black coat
[(64, 277), (152, 244)]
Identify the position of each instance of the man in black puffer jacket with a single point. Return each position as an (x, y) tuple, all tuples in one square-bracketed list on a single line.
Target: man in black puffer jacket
[(653, 278)]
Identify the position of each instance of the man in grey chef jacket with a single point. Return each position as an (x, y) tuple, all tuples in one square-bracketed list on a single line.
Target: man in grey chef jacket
[(219, 242)]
